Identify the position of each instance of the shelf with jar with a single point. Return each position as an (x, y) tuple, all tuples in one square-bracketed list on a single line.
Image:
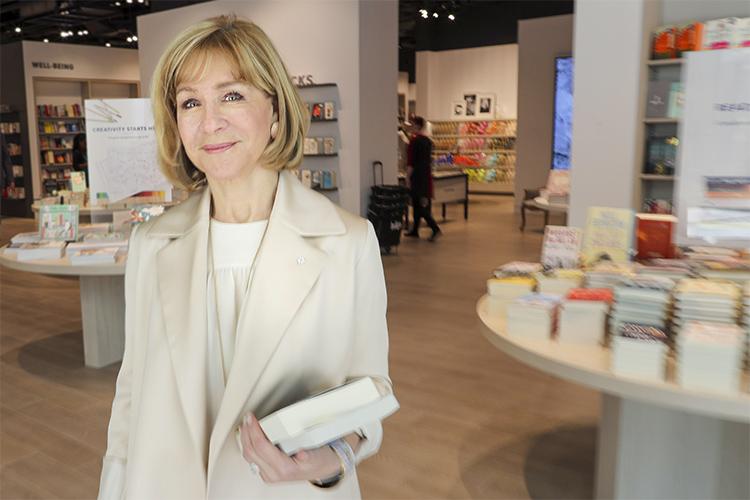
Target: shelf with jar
[(484, 149)]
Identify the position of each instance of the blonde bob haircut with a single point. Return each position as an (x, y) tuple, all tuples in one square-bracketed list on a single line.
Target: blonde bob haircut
[(256, 62)]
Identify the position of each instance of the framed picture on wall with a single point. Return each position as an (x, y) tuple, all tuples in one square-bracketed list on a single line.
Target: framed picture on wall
[(470, 103), (458, 109), (486, 105)]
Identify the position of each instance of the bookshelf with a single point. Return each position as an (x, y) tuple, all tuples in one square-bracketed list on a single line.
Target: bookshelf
[(320, 169), (485, 150), (654, 188), (57, 127), (16, 202)]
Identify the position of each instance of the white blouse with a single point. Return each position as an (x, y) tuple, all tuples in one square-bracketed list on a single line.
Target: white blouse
[(233, 250)]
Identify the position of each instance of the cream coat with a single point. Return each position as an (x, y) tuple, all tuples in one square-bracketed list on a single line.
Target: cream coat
[(315, 317)]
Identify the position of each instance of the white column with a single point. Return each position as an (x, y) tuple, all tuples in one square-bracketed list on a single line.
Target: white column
[(611, 44)]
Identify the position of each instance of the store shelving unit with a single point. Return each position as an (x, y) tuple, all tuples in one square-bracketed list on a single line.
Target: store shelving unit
[(320, 162), (656, 177), (18, 202), (483, 149), (57, 126)]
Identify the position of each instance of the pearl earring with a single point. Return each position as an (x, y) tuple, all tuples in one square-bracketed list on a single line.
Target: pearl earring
[(274, 129)]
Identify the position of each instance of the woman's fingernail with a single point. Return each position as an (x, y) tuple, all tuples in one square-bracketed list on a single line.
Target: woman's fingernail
[(248, 419)]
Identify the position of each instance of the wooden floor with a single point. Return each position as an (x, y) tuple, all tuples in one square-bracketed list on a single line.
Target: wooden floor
[(473, 422)]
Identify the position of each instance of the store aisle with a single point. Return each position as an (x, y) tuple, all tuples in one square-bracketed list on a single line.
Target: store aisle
[(473, 424)]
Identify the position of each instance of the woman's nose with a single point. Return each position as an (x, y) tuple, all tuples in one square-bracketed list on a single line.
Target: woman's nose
[(213, 119)]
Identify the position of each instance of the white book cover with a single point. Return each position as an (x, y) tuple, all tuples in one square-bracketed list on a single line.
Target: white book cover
[(78, 247), (94, 256), (330, 415), (33, 237), (561, 247)]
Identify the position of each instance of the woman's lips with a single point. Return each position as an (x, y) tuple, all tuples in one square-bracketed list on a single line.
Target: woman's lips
[(218, 148)]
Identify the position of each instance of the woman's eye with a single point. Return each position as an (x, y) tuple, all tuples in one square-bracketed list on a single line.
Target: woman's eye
[(233, 96), (189, 103)]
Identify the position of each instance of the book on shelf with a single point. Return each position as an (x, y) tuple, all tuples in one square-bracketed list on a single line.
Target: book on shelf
[(78, 182), (664, 43), (35, 251), (318, 111), (608, 235), (676, 100), (688, 38), (58, 222), (720, 33), (329, 415), (657, 103), (329, 110)]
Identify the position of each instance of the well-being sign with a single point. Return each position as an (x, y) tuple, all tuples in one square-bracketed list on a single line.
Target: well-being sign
[(713, 188), (121, 144)]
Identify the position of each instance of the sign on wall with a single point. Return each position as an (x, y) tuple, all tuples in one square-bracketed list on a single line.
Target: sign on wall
[(121, 143), (713, 188)]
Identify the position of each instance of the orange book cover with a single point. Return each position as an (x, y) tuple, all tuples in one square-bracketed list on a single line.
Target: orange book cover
[(689, 38), (591, 294), (654, 236), (664, 43)]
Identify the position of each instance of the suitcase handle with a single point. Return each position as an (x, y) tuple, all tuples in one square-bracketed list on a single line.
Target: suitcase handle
[(375, 165)]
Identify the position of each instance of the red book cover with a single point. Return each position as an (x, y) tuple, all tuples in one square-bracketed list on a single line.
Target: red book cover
[(654, 236), (591, 294)]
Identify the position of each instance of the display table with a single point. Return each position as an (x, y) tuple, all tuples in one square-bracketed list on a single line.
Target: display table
[(102, 303), (656, 439), (451, 187), (88, 213)]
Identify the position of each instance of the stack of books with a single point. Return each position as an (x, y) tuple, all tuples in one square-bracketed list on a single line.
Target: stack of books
[(510, 288), (639, 351), (559, 281), (104, 255), (675, 269), (706, 300), (583, 316), (746, 321), (533, 316), (642, 300), (607, 275), (710, 356), (46, 249)]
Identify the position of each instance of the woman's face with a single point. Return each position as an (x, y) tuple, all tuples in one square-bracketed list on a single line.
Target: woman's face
[(224, 124)]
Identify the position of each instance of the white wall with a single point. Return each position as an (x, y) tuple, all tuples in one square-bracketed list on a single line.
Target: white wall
[(445, 76), (539, 42), (324, 38), (89, 63), (685, 11)]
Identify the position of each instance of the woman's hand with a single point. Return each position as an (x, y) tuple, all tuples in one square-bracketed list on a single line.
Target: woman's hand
[(275, 466)]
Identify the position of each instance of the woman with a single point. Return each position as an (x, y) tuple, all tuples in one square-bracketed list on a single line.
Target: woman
[(80, 156), (252, 294)]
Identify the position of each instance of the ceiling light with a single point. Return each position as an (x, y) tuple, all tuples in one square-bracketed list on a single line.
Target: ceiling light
[(424, 14), (129, 1), (130, 39), (18, 29), (117, 4), (80, 33), (140, 1), (46, 40), (451, 17), (135, 38), (63, 34), (85, 32), (107, 44), (435, 15)]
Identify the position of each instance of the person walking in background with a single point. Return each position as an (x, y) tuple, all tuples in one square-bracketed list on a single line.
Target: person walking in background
[(419, 173), (80, 156)]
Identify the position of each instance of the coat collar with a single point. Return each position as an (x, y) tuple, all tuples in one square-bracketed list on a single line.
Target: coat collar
[(308, 213)]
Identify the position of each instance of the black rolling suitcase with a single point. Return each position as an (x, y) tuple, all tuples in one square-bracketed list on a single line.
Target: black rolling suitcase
[(386, 210)]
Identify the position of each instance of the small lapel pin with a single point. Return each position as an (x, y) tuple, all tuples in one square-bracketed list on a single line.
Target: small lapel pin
[(300, 260)]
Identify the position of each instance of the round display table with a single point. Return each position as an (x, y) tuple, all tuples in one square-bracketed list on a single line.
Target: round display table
[(656, 438), (102, 303)]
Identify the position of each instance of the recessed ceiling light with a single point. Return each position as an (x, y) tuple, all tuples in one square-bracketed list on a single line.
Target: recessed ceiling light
[(140, 1), (117, 4), (85, 32), (18, 29), (130, 39), (425, 15), (46, 40), (435, 15), (80, 33), (107, 44), (451, 17), (129, 1)]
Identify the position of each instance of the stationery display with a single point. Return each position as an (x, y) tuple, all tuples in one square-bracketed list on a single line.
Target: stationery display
[(674, 41), (317, 146)]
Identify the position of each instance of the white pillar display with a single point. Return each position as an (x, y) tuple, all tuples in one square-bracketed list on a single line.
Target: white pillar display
[(713, 188), (121, 142)]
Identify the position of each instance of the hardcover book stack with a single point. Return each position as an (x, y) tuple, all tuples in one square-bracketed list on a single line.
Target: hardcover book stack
[(533, 316), (642, 300), (583, 316), (639, 351), (746, 320), (607, 275), (705, 301), (559, 281), (710, 356)]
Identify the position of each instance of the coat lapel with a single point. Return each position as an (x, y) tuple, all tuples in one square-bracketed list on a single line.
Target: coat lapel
[(288, 267), (182, 274)]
